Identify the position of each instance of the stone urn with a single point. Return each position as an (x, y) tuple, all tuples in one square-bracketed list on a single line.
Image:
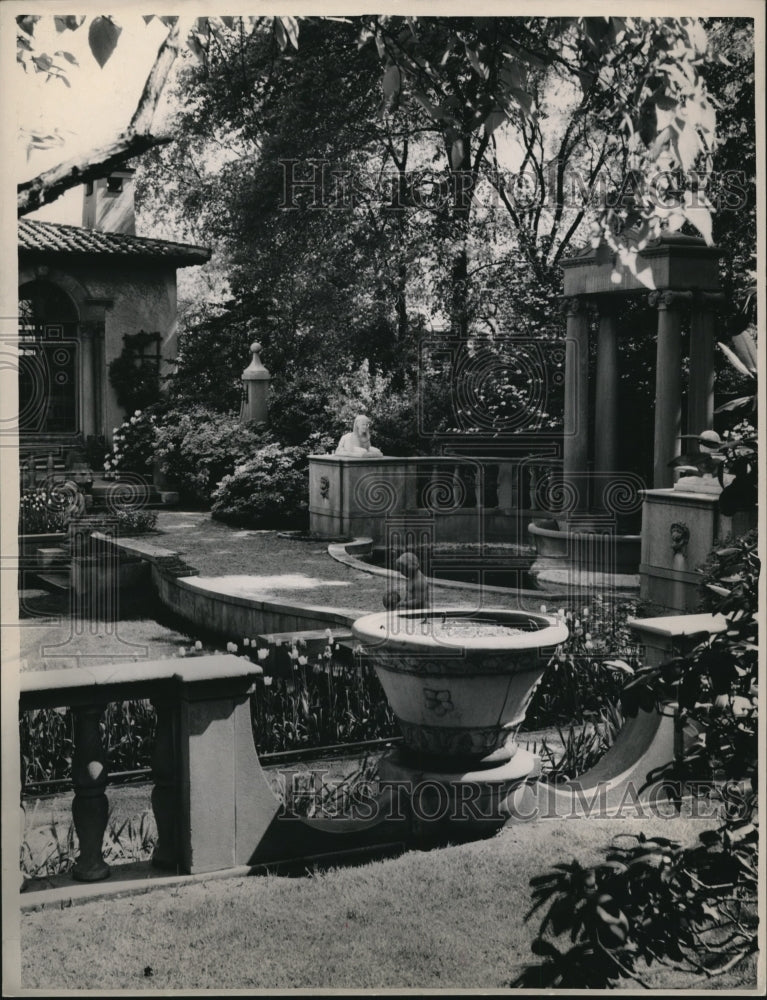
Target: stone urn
[(459, 681)]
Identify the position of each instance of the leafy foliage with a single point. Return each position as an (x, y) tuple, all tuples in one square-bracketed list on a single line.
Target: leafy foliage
[(692, 908), (588, 671), (269, 488), (651, 900), (197, 447), (133, 444), (134, 376)]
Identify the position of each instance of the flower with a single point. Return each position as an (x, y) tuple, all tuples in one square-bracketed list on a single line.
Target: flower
[(246, 642), (302, 661), (262, 653), (198, 645), (181, 651), (543, 609)]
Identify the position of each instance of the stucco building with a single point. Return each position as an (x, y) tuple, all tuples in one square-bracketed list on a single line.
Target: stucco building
[(82, 290)]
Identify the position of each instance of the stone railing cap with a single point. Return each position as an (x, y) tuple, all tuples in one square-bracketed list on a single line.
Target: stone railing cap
[(673, 625), (197, 668)]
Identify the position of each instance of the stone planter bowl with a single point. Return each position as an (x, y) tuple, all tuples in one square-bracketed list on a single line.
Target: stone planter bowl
[(459, 682)]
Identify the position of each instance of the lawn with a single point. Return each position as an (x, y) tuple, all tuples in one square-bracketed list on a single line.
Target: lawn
[(445, 919)]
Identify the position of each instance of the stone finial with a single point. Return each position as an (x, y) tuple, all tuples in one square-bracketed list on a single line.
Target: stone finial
[(256, 370), (256, 378)]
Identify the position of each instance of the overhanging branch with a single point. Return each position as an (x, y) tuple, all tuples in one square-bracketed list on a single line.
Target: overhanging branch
[(136, 139), (51, 184)]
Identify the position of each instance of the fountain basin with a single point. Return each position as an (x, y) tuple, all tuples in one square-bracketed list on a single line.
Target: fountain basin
[(569, 554), (459, 681)]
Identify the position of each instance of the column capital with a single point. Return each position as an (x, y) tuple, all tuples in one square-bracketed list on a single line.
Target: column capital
[(573, 305), (91, 329), (710, 300), (666, 299)]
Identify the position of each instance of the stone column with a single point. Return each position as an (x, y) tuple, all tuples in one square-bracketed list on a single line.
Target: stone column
[(668, 390), (606, 424), (576, 435), (87, 388), (165, 794), (90, 808), (99, 378), (256, 379), (700, 397)]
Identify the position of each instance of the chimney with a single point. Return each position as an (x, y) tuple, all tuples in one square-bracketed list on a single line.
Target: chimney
[(108, 203)]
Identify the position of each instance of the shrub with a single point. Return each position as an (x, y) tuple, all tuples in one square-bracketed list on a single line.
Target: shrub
[(133, 444), (134, 522), (197, 448), (270, 488)]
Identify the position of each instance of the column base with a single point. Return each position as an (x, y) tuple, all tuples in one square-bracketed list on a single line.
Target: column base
[(92, 873)]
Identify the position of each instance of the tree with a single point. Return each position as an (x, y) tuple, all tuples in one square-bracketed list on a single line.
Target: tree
[(469, 75)]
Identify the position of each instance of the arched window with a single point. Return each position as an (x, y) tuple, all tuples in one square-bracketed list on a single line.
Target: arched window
[(47, 359)]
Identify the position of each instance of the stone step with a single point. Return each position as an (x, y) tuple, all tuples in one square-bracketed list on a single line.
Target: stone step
[(50, 556), (59, 581)]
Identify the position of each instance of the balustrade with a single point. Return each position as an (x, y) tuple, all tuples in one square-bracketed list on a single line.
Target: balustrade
[(202, 711)]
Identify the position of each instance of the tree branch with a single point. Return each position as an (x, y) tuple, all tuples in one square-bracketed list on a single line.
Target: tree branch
[(50, 184), (150, 96), (136, 139)]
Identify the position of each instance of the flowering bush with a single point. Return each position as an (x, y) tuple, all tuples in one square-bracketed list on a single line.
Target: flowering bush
[(133, 444), (40, 512), (197, 447), (270, 488)]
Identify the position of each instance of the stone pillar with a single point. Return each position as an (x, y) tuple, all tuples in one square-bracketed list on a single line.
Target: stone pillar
[(668, 390), (576, 435), (90, 808), (606, 423), (256, 379), (166, 789), (87, 383), (700, 397), (99, 378)]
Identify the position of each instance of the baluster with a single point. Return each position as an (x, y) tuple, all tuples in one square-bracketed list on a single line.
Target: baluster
[(32, 464), (90, 808), (164, 793), (50, 466), (533, 488)]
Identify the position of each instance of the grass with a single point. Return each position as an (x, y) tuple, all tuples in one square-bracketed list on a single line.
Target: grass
[(448, 918)]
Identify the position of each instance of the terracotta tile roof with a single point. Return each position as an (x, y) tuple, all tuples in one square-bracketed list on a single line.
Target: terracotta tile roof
[(52, 237)]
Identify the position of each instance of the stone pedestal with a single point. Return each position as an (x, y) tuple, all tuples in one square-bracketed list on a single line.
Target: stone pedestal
[(455, 804), (679, 529), (352, 496), (255, 378)]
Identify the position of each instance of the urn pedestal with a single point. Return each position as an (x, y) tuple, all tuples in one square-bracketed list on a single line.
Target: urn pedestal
[(459, 683)]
